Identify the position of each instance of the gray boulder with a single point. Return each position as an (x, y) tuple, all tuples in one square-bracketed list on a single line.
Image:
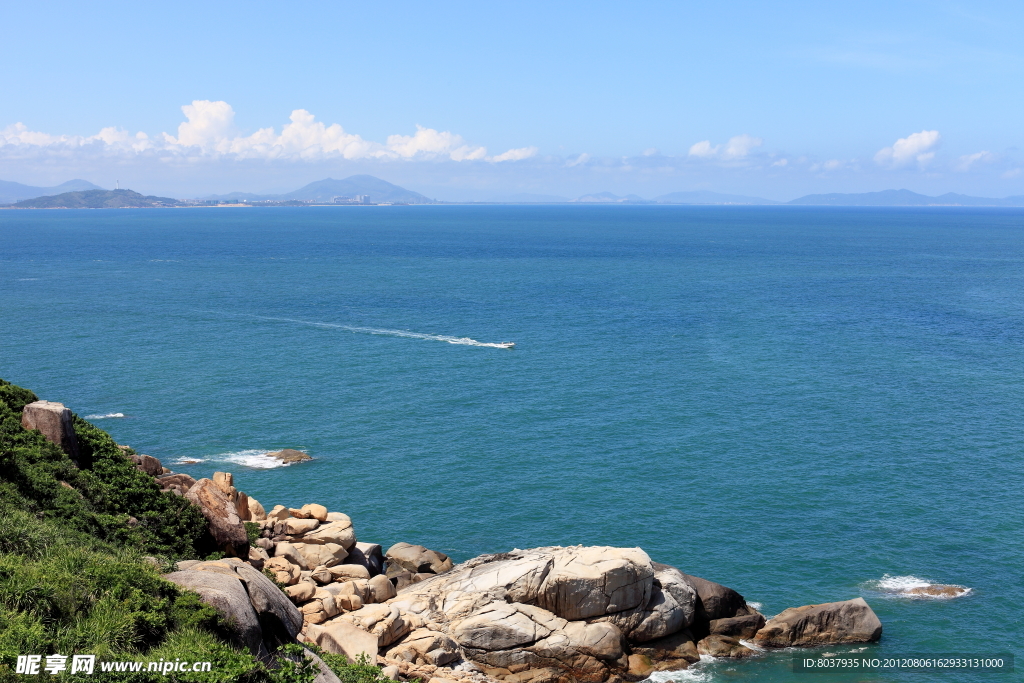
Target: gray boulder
[(224, 592), (849, 621), (55, 422)]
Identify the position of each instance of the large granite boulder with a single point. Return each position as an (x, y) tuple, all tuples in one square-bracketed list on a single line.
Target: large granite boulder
[(224, 524), (849, 621), (55, 422), (224, 592), (262, 616), (558, 613), (339, 532)]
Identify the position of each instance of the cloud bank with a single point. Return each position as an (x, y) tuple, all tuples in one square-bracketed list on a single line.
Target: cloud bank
[(209, 131)]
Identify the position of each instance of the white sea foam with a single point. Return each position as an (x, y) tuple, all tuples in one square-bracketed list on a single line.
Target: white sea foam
[(696, 672), (910, 587), (463, 341), (188, 461), (105, 416), (756, 605), (253, 457)]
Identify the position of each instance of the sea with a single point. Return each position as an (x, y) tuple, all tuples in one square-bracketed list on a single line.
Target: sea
[(805, 404)]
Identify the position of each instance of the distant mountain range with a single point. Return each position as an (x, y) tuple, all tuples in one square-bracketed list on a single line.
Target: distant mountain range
[(15, 192), (81, 193), (904, 198), (326, 190), (97, 199)]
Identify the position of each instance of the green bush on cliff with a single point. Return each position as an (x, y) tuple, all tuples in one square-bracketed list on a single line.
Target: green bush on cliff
[(100, 495), (73, 573)]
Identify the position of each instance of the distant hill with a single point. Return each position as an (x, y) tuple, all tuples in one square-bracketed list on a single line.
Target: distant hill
[(609, 198), (15, 192), (903, 198), (703, 197), (326, 190), (530, 198), (97, 199)]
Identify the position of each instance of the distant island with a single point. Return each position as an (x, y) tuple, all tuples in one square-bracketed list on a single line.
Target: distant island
[(330, 191), (97, 199), (16, 192), (367, 189), (903, 198)]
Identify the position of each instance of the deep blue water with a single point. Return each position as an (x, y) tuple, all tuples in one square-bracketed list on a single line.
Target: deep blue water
[(794, 402)]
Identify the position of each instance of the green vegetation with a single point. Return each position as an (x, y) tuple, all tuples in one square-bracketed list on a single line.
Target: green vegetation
[(77, 574), (97, 199)]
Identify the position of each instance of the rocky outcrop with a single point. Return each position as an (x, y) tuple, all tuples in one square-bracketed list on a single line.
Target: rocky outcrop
[(147, 464), (559, 613), (218, 506), (55, 422), (289, 456), (849, 621), (176, 483)]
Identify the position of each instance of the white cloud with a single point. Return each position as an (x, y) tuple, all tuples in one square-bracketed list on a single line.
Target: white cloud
[(913, 148), (1012, 173), (515, 154), (209, 131), (703, 149), (965, 162), (781, 162), (736, 148), (740, 146), (432, 143), (581, 159), (209, 123)]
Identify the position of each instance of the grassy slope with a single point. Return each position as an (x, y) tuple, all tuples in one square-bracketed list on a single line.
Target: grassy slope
[(72, 574)]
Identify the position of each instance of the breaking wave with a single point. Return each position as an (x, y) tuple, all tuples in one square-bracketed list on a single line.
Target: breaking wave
[(105, 416), (253, 457), (914, 587), (696, 672)]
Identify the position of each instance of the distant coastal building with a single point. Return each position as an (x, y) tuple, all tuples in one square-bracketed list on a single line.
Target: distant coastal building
[(358, 199)]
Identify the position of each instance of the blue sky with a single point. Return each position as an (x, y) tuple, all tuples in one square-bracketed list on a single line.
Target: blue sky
[(476, 100)]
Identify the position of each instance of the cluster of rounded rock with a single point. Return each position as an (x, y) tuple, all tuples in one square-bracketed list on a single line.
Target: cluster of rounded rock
[(546, 615), (326, 571)]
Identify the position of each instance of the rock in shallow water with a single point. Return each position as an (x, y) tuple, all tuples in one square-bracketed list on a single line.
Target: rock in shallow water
[(849, 621), (289, 455)]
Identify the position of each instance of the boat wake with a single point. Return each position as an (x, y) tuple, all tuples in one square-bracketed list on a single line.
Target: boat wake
[(914, 587), (463, 341), (106, 416)]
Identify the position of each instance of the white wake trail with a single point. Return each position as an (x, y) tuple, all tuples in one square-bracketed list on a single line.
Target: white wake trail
[(464, 341)]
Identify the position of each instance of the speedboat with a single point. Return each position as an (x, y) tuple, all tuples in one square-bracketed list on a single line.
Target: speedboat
[(506, 345)]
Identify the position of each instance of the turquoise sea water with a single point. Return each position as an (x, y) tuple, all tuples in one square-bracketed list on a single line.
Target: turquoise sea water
[(795, 402)]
